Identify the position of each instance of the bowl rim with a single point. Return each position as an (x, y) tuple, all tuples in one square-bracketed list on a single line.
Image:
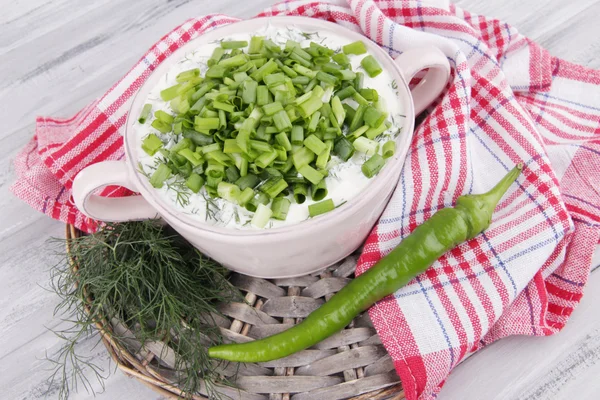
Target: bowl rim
[(394, 165)]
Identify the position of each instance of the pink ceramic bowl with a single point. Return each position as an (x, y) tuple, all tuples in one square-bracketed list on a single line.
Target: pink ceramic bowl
[(286, 251)]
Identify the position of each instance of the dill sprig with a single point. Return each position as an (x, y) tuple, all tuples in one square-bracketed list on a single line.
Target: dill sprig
[(152, 281)]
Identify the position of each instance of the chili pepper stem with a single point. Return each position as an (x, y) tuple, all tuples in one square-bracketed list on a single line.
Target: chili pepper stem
[(445, 230)]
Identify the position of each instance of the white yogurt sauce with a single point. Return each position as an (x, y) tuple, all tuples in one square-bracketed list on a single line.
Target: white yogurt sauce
[(345, 179)]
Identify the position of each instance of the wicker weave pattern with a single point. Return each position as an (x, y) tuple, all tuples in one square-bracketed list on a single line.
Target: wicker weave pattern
[(349, 363)]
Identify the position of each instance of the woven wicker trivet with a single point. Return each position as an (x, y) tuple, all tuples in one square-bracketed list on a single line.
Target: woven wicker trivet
[(351, 364)]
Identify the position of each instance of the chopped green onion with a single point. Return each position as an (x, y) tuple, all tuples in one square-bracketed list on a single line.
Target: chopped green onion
[(216, 71), (373, 117), (170, 93), (341, 59), (253, 204), (161, 126), (266, 69), (265, 159), (160, 175), (327, 78), (272, 108), (373, 165), (302, 157), (358, 81), (145, 113), (300, 192), (187, 75), (232, 174), (151, 144), (321, 208), (215, 57), (262, 95), (256, 43), (372, 133), (357, 48), (234, 44), (346, 92), (280, 208), (371, 66), (313, 143), (228, 191), (297, 135), (359, 99), (245, 196), (219, 105), (319, 191), (358, 132), (344, 149), (194, 158), (249, 91), (260, 146), (283, 140), (357, 120), (389, 148), (369, 94), (273, 186), (204, 124), (314, 121), (367, 146), (248, 181), (323, 157), (194, 182), (261, 216), (282, 121), (338, 110), (311, 174)]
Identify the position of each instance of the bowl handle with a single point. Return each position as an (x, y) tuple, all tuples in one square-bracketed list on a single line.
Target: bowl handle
[(113, 209), (433, 83)]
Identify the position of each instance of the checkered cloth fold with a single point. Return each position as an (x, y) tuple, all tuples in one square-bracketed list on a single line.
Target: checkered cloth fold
[(509, 101)]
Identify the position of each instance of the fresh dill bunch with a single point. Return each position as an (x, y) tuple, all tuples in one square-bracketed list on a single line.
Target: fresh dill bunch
[(153, 282)]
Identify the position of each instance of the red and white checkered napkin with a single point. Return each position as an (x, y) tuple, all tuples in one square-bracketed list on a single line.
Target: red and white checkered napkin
[(509, 101)]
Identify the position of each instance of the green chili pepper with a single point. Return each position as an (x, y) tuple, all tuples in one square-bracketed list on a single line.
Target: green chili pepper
[(442, 232)]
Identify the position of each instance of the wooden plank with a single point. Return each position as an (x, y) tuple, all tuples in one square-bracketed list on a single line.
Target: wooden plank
[(349, 359), (284, 384), (325, 286), (245, 313), (345, 337), (291, 306), (351, 388), (258, 286)]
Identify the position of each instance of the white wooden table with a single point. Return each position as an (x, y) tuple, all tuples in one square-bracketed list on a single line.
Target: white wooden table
[(58, 55)]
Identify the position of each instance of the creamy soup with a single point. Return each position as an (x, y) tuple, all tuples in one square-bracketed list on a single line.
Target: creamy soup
[(344, 180)]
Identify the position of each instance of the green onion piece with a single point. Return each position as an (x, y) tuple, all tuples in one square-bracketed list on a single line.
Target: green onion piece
[(256, 43), (346, 92), (310, 106), (204, 88), (358, 132), (170, 93), (161, 126), (371, 66), (204, 124), (323, 157), (372, 133), (232, 174), (373, 165), (288, 71), (185, 143), (260, 198), (280, 208), (231, 146), (283, 140), (219, 157), (358, 81), (282, 121), (187, 75), (265, 159), (359, 99), (373, 117), (357, 48), (300, 192), (145, 113), (313, 143), (194, 182), (197, 138), (302, 157), (160, 175), (357, 120), (311, 174), (222, 119), (319, 192), (151, 144), (216, 56), (302, 70), (219, 105), (297, 135), (301, 80), (215, 170), (249, 91), (194, 158), (369, 94), (338, 110), (228, 191), (314, 121), (248, 181), (261, 216), (341, 59), (273, 80), (266, 69), (260, 146), (216, 71), (367, 146), (180, 105), (262, 95), (245, 196), (234, 44), (389, 148), (272, 108), (235, 61), (270, 172), (343, 149), (273, 186), (321, 208), (243, 167), (331, 68), (327, 78), (271, 46)]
